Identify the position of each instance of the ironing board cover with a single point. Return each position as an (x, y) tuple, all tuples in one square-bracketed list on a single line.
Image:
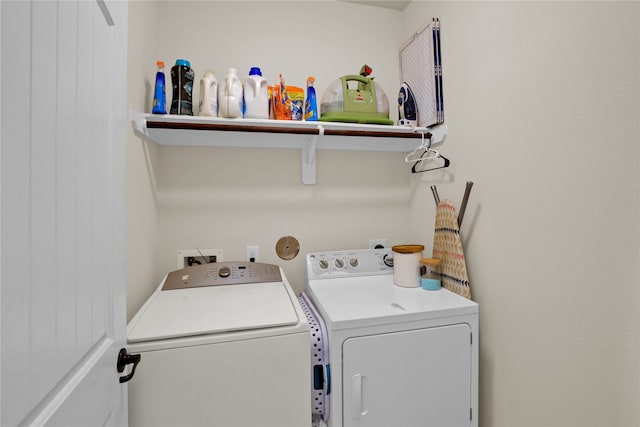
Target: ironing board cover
[(321, 383), (447, 246)]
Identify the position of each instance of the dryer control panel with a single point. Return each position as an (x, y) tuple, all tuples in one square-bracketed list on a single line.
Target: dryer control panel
[(358, 262), (222, 273)]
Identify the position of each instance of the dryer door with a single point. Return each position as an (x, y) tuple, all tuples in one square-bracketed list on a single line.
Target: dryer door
[(408, 378)]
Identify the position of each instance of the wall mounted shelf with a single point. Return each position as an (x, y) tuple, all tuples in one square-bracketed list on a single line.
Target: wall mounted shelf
[(172, 130)]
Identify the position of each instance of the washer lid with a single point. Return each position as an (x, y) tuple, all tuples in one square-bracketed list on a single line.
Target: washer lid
[(211, 310), (375, 300)]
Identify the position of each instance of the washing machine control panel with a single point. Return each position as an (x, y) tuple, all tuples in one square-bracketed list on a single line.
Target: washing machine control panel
[(222, 273), (359, 262)]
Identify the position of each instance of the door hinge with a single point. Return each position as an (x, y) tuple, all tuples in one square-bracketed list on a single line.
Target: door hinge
[(470, 414)]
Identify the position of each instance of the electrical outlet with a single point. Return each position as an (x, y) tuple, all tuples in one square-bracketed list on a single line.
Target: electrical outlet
[(190, 257), (253, 251), (377, 243)]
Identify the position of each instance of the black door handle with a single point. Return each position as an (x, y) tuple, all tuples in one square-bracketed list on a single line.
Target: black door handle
[(125, 359)]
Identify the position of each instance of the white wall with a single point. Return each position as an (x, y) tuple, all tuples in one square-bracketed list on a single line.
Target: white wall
[(542, 107)]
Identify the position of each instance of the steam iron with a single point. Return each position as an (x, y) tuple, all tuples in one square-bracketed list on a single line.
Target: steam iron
[(407, 107)]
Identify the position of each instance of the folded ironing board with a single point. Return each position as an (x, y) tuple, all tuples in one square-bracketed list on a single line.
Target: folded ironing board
[(447, 246)]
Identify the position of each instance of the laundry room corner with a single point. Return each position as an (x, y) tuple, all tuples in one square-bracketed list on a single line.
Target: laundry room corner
[(143, 273), (229, 198)]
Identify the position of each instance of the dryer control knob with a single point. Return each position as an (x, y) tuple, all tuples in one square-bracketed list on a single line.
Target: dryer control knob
[(224, 272), (354, 262), (339, 263), (388, 260), (324, 264)]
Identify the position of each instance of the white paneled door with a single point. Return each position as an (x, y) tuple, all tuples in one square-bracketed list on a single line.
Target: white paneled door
[(62, 135)]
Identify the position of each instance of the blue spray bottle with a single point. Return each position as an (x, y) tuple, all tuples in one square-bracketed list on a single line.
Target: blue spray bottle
[(159, 95), (310, 104)]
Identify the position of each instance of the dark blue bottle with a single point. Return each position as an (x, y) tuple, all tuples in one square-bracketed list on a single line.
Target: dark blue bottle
[(182, 81)]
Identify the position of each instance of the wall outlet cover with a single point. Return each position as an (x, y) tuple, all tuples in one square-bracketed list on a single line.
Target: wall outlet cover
[(188, 257), (253, 253), (377, 243)]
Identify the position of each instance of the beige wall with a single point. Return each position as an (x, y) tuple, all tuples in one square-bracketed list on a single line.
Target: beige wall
[(231, 198), (542, 106), (143, 273)]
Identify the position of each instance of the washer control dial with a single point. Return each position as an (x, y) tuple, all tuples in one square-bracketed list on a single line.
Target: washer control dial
[(224, 271), (324, 264), (353, 262), (339, 262)]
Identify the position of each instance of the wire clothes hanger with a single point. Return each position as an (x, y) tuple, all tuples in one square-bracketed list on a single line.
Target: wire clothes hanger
[(435, 155), (432, 155)]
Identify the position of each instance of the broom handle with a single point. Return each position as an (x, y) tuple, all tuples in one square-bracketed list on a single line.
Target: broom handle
[(463, 206), (435, 195)]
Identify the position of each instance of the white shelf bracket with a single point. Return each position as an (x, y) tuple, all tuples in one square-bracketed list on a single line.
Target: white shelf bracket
[(139, 123), (309, 159), (438, 134)]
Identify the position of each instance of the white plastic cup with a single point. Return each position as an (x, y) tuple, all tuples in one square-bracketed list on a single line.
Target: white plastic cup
[(406, 265)]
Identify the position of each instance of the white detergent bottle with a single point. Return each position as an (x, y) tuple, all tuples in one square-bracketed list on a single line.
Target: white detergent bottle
[(230, 96), (208, 95), (256, 95)]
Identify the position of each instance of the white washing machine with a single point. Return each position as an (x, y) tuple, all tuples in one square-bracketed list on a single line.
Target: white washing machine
[(222, 344), (397, 356)]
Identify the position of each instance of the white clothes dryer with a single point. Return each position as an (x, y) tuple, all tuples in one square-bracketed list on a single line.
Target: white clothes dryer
[(397, 356), (222, 344)]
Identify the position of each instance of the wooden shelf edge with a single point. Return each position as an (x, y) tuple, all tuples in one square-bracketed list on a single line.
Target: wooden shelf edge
[(281, 126)]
